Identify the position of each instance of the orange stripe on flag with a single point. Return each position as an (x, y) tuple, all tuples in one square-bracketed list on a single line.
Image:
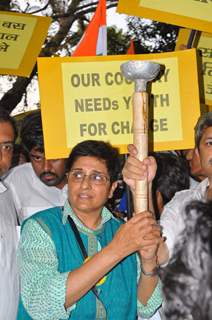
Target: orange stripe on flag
[(131, 49), (94, 39)]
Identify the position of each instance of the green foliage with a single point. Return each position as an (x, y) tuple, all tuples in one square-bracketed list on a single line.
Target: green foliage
[(118, 42), (152, 36)]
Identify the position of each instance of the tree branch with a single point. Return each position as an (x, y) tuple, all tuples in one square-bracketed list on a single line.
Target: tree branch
[(91, 7), (13, 96), (36, 11)]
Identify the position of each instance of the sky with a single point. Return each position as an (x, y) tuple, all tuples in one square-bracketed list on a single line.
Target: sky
[(117, 19)]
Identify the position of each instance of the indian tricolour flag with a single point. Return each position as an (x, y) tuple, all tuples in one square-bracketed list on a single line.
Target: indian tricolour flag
[(94, 39)]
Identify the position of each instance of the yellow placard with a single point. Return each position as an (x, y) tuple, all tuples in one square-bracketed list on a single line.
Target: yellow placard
[(21, 38), (194, 14), (89, 98), (204, 44)]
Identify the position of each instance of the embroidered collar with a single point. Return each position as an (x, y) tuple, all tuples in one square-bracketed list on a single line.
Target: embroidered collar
[(67, 211)]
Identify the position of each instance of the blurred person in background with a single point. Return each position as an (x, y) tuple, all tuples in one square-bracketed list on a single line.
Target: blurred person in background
[(196, 171), (172, 175), (40, 183), (187, 280), (9, 285)]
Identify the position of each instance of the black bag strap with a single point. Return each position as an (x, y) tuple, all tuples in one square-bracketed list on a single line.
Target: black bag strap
[(78, 237), (82, 247)]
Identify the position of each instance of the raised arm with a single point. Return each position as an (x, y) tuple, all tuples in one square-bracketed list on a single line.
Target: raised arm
[(60, 291), (131, 237)]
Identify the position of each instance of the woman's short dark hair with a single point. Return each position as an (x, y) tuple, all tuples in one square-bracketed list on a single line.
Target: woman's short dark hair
[(31, 132), (100, 150)]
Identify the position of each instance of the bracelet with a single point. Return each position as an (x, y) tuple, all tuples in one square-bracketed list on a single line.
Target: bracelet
[(152, 273)]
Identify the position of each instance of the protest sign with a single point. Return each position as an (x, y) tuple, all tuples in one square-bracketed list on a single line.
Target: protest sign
[(21, 38), (194, 14), (203, 42), (89, 98)]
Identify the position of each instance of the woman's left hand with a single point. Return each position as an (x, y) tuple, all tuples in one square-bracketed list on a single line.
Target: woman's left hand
[(149, 252)]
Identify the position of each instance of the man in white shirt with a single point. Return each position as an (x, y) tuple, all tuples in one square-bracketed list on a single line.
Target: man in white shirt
[(173, 216), (9, 285), (41, 183)]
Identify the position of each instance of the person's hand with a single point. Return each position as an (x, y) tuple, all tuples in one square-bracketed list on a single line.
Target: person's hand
[(149, 252), (140, 233), (162, 253), (135, 169)]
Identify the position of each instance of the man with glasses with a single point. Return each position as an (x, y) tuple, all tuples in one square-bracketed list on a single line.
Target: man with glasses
[(41, 183), (9, 291)]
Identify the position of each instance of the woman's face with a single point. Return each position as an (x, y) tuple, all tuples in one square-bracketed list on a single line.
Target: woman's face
[(89, 186)]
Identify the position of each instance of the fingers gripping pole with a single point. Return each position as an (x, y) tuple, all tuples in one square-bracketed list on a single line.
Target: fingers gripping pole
[(140, 140)]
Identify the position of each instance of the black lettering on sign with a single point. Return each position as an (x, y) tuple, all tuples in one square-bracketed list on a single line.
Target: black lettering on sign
[(115, 105), (85, 80), (122, 127), (3, 46), (161, 100), (127, 102), (206, 52), (207, 68), (116, 78), (209, 88), (164, 78), (93, 129), (158, 125), (9, 36), (95, 104), (13, 25)]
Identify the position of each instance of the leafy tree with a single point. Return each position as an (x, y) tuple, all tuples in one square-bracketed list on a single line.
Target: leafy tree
[(60, 40), (152, 36), (118, 42)]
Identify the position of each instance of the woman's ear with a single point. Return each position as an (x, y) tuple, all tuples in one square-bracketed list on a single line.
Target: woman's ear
[(112, 189)]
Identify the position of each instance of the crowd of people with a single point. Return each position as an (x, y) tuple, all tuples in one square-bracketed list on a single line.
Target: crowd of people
[(77, 256)]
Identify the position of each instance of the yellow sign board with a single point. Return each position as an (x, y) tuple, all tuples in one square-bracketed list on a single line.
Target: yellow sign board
[(194, 14), (21, 38), (204, 44), (89, 98)]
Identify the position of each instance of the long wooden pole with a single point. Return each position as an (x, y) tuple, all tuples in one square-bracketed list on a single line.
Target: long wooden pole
[(141, 72), (140, 140)]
